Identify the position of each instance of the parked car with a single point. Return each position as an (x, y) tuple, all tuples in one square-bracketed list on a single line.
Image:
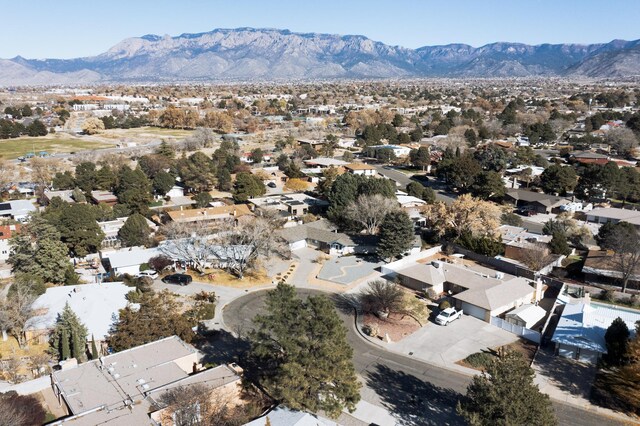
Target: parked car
[(182, 279), (448, 315), (271, 185), (148, 273)]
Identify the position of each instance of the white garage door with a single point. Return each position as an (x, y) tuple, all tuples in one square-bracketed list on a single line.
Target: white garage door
[(567, 351), (473, 310), (590, 357), (298, 245)]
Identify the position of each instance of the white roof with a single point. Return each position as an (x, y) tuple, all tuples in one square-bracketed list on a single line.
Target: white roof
[(17, 208), (632, 216), (282, 416), (530, 314), (408, 199), (94, 304), (323, 161), (584, 325), (130, 256)]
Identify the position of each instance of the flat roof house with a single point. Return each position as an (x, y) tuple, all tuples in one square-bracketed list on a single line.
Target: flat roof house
[(17, 209), (95, 304), (360, 169), (614, 215), (210, 214), (125, 388), (106, 197), (129, 260)]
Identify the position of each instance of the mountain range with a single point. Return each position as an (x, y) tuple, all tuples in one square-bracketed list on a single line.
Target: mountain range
[(249, 54)]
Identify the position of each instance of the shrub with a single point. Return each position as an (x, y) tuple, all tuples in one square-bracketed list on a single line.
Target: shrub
[(608, 295), (432, 295), (480, 360), (444, 305)]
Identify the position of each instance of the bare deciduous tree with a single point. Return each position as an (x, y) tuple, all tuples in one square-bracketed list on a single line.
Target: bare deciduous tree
[(187, 242), (536, 256), (16, 311), (370, 210)]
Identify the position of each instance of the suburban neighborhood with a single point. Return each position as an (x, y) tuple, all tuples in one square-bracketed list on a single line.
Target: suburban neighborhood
[(341, 252)]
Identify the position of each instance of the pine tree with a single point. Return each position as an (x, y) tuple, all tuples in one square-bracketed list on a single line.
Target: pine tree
[(300, 353), (506, 395), (69, 336), (135, 231), (617, 340), (94, 348), (396, 234), (64, 351)]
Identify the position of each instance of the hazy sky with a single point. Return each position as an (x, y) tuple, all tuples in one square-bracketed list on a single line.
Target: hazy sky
[(73, 28)]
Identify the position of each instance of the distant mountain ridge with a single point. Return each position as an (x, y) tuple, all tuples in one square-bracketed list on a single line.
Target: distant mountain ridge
[(270, 54)]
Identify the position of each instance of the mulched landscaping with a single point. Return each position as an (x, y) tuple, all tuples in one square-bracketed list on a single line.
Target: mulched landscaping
[(397, 326), (480, 360)]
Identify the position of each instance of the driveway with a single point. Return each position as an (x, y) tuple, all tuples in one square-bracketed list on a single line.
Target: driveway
[(444, 345), (349, 269)]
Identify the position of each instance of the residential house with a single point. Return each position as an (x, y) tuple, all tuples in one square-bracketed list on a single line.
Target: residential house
[(535, 201), (398, 150), (6, 232), (290, 206), (580, 331), (283, 416), (112, 227), (17, 209), (65, 195), (324, 163), (211, 215), (360, 169), (322, 235), (105, 197), (614, 215), (312, 143), (128, 260), (600, 267), (526, 316), (95, 304), (479, 292), (518, 241), (126, 388)]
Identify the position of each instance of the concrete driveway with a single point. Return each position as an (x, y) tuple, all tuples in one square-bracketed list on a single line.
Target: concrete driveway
[(444, 345)]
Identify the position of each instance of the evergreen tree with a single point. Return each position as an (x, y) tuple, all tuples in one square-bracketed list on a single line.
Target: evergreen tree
[(617, 340), (163, 182), (165, 149), (134, 189), (69, 336), (135, 231), (506, 395), (157, 317), (86, 176), (78, 228), (558, 244), (396, 234), (94, 348), (247, 186), (557, 179), (301, 355), (65, 352)]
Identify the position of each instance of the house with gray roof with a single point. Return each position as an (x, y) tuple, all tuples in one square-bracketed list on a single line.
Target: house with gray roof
[(479, 292), (535, 201)]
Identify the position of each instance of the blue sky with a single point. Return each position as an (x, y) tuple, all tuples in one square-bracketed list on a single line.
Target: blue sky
[(73, 28)]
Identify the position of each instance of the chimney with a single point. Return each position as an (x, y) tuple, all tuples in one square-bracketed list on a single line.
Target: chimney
[(586, 299)]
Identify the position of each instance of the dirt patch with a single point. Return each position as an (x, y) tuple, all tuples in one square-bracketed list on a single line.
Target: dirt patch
[(479, 360), (397, 326), (221, 277)]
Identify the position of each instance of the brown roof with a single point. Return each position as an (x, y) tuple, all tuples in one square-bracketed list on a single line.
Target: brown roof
[(358, 166), (7, 231), (210, 213)]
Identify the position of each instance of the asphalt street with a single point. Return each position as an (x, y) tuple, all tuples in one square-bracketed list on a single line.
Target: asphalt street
[(403, 180), (415, 392)]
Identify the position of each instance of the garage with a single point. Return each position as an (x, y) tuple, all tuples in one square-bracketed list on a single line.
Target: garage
[(298, 244), (588, 356), (474, 311), (567, 351)]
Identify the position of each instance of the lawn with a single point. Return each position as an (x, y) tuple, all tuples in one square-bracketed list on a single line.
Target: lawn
[(14, 148), (146, 133)]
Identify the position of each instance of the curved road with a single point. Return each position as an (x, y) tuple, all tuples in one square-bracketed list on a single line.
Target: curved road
[(393, 380)]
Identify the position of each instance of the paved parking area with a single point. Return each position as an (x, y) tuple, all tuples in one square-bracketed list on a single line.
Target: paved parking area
[(348, 269), (444, 345)]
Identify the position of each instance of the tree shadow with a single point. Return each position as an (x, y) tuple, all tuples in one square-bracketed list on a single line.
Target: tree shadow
[(345, 302), (222, 347), (567, 375), (412, 401)]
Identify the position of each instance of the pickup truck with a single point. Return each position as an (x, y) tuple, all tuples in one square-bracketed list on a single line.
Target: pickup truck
[(448, 315)]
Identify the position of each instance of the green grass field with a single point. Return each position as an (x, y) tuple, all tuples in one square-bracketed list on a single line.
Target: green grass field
[(13, 148)]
